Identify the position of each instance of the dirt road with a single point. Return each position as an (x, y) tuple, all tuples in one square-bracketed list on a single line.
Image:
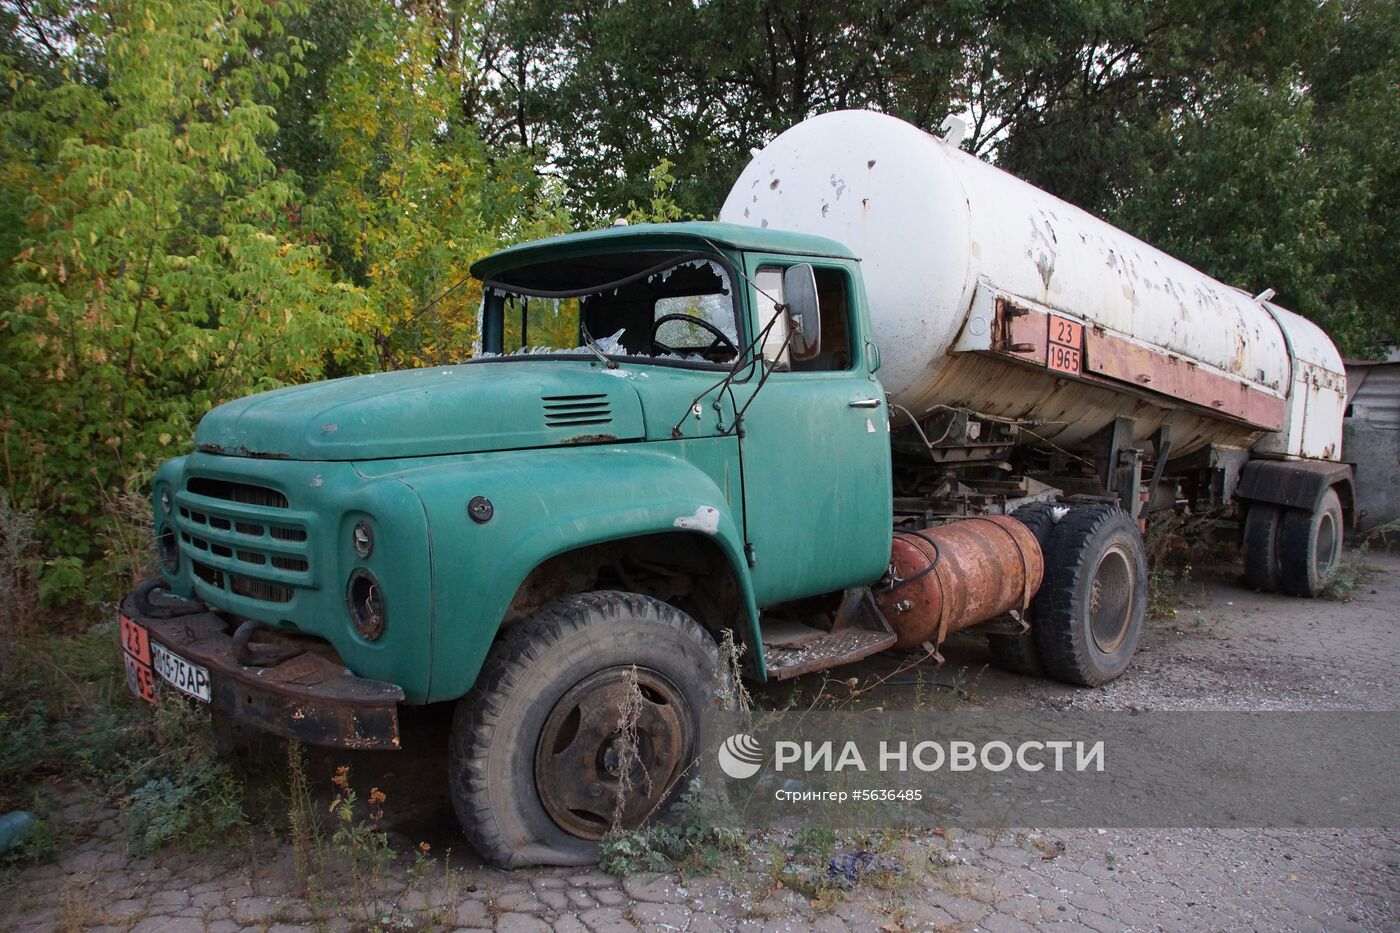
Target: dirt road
[(1225, 648)]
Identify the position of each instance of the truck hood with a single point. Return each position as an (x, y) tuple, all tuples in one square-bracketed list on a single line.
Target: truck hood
[(423, 412)]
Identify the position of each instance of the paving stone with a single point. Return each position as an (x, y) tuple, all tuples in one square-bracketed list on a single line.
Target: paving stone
[(256, 909), (172, 899), (593, 879), (998, 922), (829, 924), (169, 925), (521, 901), (521, 923), (568, 923), (123, 909), (673, 915), (472, 913), (965, 909), (657, 888), (606, 920), (548, 883)]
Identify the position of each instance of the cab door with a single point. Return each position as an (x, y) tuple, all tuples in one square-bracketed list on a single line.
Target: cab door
[(814, 444)]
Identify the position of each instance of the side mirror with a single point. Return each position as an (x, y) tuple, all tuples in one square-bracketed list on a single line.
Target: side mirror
[(804, 319)]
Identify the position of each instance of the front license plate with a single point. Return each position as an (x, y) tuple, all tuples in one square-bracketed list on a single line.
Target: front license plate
[(185, 676)]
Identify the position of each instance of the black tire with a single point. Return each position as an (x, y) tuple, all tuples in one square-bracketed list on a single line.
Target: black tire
[(1088, 615), (1017, 654), (1310, 546), (1261, 563), (530, 687)]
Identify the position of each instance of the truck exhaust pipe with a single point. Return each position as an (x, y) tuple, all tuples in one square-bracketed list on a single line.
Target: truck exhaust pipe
[(945, 579)]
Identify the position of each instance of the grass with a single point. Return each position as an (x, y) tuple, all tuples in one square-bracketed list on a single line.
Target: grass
[(1352, 572)]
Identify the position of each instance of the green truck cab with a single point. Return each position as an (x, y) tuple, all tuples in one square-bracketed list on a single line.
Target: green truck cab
[(520, 532)]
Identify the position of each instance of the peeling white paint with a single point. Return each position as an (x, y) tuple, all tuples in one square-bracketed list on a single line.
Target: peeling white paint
[(705, 519)]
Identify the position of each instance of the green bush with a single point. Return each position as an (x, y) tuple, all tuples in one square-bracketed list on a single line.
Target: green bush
[(197, 802)]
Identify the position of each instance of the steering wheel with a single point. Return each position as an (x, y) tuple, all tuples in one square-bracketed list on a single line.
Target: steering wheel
[(721, 339)]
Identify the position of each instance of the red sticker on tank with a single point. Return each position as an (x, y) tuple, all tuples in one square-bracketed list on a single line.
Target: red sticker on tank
[(1066, 350)]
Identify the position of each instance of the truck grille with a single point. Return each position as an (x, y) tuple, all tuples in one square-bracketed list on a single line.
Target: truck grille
[(238, 542), (568, 411)]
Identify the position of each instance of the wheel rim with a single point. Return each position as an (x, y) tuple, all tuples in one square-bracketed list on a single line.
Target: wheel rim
[(581, 754), (1327, 545), (1110, 606)]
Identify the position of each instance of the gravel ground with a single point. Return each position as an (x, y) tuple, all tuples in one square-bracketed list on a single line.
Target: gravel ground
[(1226, 648)]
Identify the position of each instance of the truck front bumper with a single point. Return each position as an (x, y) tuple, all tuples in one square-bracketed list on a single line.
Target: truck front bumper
[(308, 697)]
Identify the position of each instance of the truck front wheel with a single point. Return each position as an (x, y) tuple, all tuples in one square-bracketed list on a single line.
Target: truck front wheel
[(587, 714), (1087, 617)]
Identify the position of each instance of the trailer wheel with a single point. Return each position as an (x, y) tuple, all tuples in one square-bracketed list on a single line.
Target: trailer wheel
[(1261, 562), (537, 758), (1089, 611), (1017, 654), (1310, 546)]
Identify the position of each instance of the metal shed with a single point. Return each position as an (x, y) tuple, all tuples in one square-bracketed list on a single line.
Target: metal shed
[(1371, 439)]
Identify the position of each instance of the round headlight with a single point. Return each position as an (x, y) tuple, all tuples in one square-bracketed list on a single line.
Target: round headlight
[(362, 539), (165, 501), (365, 600), (169, 550)]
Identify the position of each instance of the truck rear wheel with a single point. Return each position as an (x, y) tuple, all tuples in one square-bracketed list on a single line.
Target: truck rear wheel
[(1261, 564), (1310, 546), (1087, 617), (1017, 653), (539, 754)]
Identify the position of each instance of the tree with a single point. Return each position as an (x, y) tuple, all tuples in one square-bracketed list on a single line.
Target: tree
[(412, 195), (603, 92), (161, 269)]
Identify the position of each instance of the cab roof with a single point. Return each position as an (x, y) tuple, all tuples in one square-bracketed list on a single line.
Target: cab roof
[(688, 235)]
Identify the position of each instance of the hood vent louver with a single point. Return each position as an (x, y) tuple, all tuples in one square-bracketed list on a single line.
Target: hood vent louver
[(572, 411)]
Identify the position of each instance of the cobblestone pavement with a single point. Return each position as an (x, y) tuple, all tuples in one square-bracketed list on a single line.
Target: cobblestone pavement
[(1226, 648)]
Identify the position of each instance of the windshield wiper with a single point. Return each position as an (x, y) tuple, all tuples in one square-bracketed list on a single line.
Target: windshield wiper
[(592, 345)]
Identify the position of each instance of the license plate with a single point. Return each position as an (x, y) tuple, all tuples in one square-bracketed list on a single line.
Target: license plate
[(136, 655), (185, 676)]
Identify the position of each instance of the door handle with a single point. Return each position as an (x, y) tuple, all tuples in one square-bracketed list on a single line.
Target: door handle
[(866, 403)]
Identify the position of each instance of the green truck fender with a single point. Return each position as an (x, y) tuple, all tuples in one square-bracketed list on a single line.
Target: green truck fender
[(548, 502)]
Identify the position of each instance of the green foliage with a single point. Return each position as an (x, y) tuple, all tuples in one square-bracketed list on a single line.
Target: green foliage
[(695, 834), (413, 196), (162, 270), (197, 802), (661, 207)]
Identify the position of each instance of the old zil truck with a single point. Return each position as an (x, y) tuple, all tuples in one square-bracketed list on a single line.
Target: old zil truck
[(893, 394)]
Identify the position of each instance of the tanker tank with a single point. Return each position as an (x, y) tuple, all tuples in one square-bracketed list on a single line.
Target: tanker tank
[(989, 294)]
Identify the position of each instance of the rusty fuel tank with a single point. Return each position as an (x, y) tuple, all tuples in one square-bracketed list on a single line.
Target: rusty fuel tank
[(945, 579)]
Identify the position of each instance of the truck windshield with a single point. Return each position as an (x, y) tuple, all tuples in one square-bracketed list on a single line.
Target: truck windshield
[(641, 306)]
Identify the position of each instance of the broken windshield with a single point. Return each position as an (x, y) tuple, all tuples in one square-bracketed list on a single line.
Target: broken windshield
[(652, 305)]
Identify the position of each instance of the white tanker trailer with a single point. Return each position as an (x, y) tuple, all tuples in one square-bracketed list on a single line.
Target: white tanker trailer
[(1027, 346)]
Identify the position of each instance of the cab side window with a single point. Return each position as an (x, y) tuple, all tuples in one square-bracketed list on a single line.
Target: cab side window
[(833, 295)]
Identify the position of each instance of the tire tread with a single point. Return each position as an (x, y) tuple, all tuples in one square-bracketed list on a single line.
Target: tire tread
[(1060, 641), (518, 647)]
